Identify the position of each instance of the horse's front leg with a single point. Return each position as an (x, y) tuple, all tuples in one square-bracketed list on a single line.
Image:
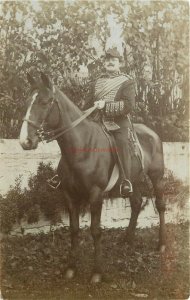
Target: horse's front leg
[(74, 230), (96, 208)]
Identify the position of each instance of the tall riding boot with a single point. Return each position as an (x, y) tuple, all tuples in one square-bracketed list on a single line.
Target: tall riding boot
[(126, 188), (124, 158)]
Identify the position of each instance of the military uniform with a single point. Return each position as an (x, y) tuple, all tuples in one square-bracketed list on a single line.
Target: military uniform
[(119, 103), (120, 100)]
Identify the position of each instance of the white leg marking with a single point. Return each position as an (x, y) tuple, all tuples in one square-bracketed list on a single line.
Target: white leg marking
[(24, 128)]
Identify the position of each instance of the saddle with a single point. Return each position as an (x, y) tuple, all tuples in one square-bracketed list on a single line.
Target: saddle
[(135, 146)]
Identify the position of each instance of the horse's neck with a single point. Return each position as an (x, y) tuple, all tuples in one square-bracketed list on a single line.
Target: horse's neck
[(68, 110), (74, 138)]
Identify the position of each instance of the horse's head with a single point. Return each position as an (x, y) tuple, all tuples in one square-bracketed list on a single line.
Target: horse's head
[(42, 110)]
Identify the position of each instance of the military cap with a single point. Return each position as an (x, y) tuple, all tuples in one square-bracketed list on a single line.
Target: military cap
[(113, 52)]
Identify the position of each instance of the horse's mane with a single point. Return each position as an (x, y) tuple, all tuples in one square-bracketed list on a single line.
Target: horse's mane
[(63, 99), (73, 110)]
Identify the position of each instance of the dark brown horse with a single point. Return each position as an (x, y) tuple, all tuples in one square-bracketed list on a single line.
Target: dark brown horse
[(85, 174)]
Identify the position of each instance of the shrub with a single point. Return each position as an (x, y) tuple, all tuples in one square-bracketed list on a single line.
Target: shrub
[(30, 203), (38, 199)]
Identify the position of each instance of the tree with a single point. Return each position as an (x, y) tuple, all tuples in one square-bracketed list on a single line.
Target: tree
[(55, 37), (157, 36)]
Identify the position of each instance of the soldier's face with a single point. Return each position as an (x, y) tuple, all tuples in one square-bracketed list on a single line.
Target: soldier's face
[(112, 64)]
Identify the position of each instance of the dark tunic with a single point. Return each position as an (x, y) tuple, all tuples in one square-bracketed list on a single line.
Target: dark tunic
[(120, 102)]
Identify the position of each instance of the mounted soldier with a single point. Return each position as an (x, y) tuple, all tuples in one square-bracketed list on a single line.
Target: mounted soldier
[(85, 177), (114, 96)]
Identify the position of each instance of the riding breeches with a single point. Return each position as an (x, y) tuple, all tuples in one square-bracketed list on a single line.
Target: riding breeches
[(121, 136)]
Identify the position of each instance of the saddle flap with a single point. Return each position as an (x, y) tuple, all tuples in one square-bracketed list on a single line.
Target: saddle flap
[(113, 179)]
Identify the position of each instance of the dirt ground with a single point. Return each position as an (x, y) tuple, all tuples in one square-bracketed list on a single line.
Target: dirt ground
[(33, 266)]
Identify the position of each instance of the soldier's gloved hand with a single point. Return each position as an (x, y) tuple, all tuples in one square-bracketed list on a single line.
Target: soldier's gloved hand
[(99, 104)]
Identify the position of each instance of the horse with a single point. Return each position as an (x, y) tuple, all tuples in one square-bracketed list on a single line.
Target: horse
[(84, 175)]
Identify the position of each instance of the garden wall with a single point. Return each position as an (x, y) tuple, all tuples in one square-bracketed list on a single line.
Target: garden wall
[(15, 161)]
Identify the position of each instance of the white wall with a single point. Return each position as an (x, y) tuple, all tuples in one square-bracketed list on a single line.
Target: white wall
[(176, 157), (15, 162)]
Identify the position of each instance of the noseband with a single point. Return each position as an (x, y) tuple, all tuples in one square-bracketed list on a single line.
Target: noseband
[(51, 135)]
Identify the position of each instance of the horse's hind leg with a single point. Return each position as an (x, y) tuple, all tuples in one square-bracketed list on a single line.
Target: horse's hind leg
[(135, 202), (158, 185)]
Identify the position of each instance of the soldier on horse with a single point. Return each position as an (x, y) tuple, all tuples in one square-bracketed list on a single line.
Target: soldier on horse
[(114, 96), (85, 177)]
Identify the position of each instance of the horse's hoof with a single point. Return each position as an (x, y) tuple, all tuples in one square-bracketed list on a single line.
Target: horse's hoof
[(162, 248), (69, 274), (96, 278)]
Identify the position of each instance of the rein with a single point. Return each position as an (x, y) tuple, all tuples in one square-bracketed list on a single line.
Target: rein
[(60, 131), (51, 135)]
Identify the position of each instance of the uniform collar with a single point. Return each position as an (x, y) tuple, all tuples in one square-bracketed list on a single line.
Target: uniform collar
[(110, 75)]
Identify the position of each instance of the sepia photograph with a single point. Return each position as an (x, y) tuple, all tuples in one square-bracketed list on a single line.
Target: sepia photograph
[(94, 150)]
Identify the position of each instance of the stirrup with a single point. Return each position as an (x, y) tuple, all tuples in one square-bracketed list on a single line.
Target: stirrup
[(53, 180), (130, 191)]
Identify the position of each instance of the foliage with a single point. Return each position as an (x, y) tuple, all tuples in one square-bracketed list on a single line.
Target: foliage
[(40, 200), (157, 35), (32, 202), (57, 38)]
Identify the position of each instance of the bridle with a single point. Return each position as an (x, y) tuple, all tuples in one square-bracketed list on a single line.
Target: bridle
[(51, 135), (41, 133)]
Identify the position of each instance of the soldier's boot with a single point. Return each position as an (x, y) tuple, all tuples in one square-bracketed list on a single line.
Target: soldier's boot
[(126, 188)]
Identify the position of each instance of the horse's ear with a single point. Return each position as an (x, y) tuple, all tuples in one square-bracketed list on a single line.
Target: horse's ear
[(31, 80), (46, 81)]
